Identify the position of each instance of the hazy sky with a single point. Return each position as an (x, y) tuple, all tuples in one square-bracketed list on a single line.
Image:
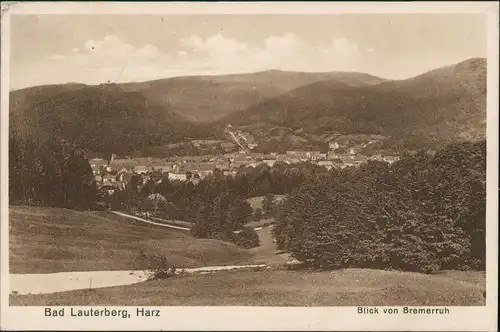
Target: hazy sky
[(48, 49)]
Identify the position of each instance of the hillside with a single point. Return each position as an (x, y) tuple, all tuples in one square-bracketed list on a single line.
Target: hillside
[(47, 240), (443, 104), (209, 98), (104, 118)]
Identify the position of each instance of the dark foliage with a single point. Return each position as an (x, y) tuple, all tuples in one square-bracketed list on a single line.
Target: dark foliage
[(103, 119), (424, 213), (49, 173), (247, 238)]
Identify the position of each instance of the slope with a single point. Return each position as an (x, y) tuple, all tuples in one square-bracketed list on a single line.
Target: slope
[(47, 240)]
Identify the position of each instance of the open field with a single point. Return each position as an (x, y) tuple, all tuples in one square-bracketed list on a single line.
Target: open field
[(347, 287), (47, 240)]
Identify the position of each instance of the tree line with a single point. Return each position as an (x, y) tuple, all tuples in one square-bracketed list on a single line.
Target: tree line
[(424, 213)]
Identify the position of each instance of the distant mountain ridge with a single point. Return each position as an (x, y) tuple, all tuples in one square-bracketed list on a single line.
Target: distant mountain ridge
[(443, 104), (210, 98), (292, 108)]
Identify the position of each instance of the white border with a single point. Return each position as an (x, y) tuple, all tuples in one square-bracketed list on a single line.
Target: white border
[(263, 318)]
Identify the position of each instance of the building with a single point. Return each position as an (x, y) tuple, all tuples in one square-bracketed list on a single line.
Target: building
[(108, 179), (117, 164), (333, 145), (328, 164), (269, 162), (230, 173), (140, 169), (162, 168), (390, 159), (96, 164), (316, 155), (108, 189), (177, 176)]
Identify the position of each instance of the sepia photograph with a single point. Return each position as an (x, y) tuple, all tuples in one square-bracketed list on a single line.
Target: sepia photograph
[(211, 159)]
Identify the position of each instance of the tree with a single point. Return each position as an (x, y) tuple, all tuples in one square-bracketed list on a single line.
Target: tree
[(268, 205), (257, 215), (239, 214)]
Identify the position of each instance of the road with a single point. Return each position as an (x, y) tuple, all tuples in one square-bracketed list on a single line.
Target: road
[(46, 283)]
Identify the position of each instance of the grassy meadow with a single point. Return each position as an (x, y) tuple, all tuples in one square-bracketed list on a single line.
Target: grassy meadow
[(48, 240), (347, 287)]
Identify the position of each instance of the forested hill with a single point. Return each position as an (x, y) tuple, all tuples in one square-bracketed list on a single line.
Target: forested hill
[(210, 98), (103, 119), (446, 104)]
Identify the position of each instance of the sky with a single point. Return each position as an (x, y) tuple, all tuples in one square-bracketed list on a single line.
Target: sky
[(93, 49)]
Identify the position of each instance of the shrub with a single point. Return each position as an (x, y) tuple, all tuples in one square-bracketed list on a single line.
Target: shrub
[(156, 266), (247, 238)]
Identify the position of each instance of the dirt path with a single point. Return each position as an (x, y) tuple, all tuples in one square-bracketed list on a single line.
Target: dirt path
[(65, 281), (149, 222)]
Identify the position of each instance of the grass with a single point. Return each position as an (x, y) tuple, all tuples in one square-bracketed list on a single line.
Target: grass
[(349, 287), (266, 253), (47, 240)]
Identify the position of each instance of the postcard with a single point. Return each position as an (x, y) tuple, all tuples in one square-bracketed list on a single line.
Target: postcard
[(231, 166)]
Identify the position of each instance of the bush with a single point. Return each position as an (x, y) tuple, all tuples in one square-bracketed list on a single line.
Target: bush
[(156, 266), (257, 215), (247, 238)]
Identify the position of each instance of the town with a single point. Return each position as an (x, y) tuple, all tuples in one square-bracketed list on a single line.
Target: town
[(115, 173)]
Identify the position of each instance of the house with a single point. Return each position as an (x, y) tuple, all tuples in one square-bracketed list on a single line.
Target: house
[(390, 159), (177, 176), (316, 155), (377, 157), (97, 163), (223, 164), (328, 164), (230, 173), (332, 155), (162, 168), (269, 162), (140, 169), (204, 174), (108, 179), (333, 145), (117, 164)]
